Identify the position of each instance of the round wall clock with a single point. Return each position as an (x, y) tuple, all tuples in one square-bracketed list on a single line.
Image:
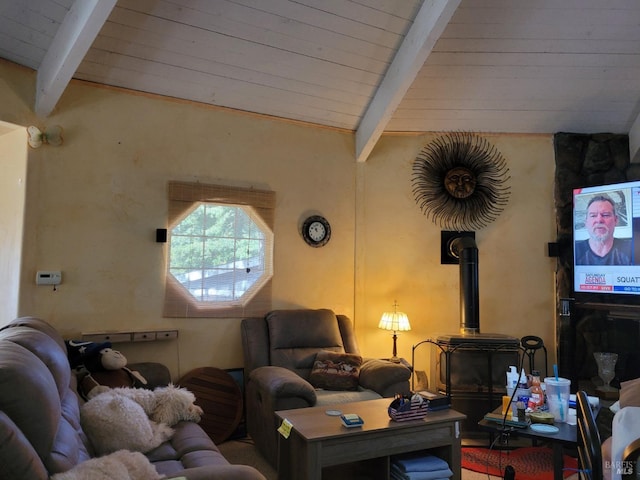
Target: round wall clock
[(316, 231)]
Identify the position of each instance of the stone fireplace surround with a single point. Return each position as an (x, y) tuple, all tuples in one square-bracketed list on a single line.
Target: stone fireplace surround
[(586, 160)]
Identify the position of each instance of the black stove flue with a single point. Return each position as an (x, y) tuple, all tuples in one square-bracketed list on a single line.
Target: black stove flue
[(466, 251), (471, 366), (464, 248)]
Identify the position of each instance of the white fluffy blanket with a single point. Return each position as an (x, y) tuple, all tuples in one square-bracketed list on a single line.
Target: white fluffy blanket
[(168, 404), (116, 422), (120, 465)]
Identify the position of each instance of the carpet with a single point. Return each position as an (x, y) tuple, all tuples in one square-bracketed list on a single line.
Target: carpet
[(530, 463), (243, 452)]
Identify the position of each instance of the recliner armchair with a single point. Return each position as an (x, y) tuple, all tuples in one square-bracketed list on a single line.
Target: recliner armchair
[(279, 354)]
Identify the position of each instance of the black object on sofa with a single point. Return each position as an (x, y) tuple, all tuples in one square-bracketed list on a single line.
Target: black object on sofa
[(279, 353), (40, 432)]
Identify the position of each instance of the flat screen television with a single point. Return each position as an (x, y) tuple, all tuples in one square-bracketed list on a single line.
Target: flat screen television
[(606, 248)]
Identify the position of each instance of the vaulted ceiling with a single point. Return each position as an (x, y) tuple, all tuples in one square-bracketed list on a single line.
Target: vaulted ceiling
[(367, 66)]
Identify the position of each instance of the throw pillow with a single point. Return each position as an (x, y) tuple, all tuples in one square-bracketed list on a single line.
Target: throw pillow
[(630, 393), (335, 371)]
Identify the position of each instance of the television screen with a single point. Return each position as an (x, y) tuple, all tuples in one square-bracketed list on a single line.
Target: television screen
[(606, 233)]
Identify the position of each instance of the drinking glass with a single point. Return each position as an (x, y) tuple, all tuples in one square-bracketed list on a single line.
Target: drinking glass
[(606, 368)]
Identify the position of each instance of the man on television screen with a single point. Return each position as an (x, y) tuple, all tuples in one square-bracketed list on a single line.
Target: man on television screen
[(601, 248)]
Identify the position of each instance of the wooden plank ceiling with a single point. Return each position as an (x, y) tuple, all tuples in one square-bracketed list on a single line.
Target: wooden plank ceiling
[(367, 66)]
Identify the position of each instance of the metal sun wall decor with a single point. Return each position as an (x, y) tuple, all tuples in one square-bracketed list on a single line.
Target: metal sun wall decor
[(459, 181)]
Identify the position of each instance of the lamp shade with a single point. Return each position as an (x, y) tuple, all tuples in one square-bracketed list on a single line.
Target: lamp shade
[(396, 321)]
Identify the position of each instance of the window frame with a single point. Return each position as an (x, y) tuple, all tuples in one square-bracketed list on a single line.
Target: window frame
[(183, 198)]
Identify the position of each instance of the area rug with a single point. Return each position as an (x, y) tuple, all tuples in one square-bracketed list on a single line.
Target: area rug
[(530, 463)]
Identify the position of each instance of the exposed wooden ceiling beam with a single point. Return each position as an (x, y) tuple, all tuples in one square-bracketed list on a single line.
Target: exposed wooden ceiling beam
[(430, 22), (69, 46)]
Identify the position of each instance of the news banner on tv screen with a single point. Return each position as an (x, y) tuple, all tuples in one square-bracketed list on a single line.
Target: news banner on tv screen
[(610, 279)]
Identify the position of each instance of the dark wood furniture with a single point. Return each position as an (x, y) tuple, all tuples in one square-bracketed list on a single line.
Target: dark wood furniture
[(566, 436), (318, 440), (219, 396)]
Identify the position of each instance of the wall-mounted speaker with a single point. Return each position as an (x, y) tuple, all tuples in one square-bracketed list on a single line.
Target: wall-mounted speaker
[(553, 249), (161, 235)]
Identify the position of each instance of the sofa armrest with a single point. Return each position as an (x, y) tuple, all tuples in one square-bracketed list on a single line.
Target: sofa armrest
[(269, 389), (279, 382), (384, 377)]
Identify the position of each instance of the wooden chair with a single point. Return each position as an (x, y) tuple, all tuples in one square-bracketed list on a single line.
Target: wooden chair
[(589, 444)]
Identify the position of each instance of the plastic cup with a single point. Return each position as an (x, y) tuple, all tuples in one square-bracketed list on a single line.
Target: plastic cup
[(505, 403), (558, 392)]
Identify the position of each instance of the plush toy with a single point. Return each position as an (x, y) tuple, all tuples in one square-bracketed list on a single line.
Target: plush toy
[(80, 352), (99, 365)]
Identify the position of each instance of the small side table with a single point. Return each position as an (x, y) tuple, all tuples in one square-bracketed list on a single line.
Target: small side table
[(219, 396), (567, 436)]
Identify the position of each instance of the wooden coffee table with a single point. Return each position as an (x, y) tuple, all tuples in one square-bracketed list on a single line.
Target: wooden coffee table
[(319, 440)]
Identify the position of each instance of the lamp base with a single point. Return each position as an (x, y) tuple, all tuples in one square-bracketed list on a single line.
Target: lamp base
[(395, 359)]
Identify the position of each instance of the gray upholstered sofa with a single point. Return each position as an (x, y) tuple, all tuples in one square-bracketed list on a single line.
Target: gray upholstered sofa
[(279, 354), (40, 432)]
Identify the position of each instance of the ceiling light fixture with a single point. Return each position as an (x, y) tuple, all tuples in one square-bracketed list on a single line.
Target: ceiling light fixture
[(51, 136)]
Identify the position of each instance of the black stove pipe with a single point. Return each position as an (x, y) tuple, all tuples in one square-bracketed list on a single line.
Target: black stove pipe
[(466, 251)]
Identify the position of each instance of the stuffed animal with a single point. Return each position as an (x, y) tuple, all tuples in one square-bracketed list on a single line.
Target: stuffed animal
[(99, 365), (80, 352)]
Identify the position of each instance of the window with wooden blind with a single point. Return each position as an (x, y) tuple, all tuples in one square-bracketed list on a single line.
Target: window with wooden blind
[(220, 257)]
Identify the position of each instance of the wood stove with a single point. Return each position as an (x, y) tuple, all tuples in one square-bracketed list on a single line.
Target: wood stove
[(471, 366), (471, 369)]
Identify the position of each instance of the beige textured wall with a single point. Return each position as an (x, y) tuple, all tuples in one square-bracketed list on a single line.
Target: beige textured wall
[(95, 202), (400, 251), (13, 181)]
